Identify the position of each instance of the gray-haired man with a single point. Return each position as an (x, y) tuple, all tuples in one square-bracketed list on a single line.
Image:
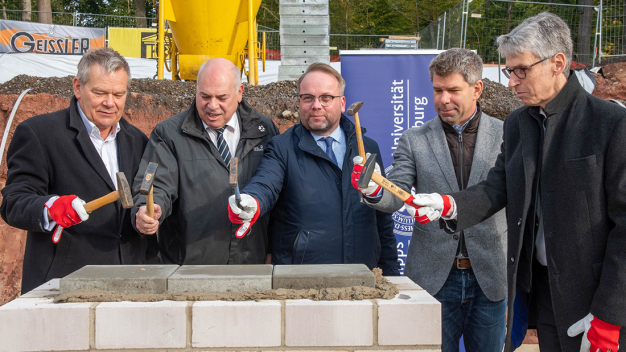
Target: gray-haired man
[(56, 159), (561, 177), (466, 272)]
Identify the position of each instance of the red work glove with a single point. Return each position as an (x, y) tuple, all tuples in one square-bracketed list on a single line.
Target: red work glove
[(66, 211), (598, 335), (246, 215), (430, 207), (372, 188)]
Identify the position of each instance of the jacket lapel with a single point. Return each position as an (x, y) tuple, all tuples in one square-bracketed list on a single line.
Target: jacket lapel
[(86, 145), (527, 128), (485, 144), (437, 140)]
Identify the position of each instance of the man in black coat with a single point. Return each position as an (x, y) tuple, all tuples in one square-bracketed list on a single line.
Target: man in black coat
[(55, 160), (191, 186), (560, 175)]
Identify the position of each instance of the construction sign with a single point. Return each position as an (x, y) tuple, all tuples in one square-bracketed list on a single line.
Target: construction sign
[(136, 42), (40, 38)]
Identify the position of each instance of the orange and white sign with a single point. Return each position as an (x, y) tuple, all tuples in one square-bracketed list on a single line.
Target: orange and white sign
[(28, 37)]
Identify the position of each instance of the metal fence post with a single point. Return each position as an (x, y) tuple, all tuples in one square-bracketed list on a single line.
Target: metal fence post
[(600, 44), (443, 35)]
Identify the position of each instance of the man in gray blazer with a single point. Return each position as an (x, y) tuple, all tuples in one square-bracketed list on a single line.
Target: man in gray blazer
[(466, 272), (560, 175)]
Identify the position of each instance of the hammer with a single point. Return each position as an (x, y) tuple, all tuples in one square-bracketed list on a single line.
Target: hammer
[(233, 180), (147, 189), (368, 174), (122, 193), (353, 110)]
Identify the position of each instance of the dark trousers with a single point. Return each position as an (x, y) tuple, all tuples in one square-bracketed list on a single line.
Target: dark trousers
[(546, 324)]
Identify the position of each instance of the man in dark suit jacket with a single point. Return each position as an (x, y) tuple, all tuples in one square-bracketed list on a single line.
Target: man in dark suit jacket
[(560, 175), (55, 160)]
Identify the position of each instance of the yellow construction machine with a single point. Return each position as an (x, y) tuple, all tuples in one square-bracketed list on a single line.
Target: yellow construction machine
[(206, 29)]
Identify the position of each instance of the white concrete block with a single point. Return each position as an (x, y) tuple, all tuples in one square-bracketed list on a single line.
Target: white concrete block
[(37, 324), (412, 318), (328, 323), (236, 324), (403, 283), (141, 325), (47, 290)]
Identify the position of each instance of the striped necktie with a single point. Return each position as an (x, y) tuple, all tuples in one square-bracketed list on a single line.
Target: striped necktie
[(329, 149), (222, 146)]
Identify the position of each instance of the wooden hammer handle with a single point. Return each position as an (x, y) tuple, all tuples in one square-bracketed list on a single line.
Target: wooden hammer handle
[(102, 201), (359, 136), (389, 186), (150, 203)]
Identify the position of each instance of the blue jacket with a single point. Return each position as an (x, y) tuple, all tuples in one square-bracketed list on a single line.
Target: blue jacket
[(317, 215)]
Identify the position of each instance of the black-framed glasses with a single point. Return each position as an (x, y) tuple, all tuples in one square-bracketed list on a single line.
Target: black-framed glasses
[(325, 100), (520, 72)]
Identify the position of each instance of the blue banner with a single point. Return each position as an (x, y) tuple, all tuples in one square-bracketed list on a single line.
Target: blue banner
[(395, 88)]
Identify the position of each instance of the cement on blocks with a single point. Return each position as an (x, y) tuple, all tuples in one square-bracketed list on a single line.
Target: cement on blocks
[(145, 279), (320, 276), (221, 278)]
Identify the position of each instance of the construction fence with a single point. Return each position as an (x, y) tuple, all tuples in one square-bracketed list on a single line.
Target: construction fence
[(597, 29)]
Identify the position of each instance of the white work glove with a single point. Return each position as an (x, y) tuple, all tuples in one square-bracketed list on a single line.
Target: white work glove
[(598, 335), (246, 215), (372, 188), (423, 215), (435, 205)]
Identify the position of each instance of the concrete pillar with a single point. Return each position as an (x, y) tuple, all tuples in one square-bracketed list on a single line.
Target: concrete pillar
[(304, 36)]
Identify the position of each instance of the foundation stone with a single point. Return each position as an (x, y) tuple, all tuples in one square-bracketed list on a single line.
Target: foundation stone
[(302, 277), (221, 278), (120, 278)]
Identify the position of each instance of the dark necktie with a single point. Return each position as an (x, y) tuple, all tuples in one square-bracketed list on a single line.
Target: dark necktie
[(329, 149), (222, 146)]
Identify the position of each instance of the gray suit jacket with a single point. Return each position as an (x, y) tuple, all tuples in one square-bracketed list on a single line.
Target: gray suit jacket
[(422, 160)]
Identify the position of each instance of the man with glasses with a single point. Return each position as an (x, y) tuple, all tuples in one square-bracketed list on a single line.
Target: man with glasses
[(560, 175), (305, 180)]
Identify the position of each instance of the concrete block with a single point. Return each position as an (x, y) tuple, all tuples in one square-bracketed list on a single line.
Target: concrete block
[(297, 20), (403, 283), (303, 10), (120, 278), (221, 278), (322, 276), (303, 61), (37, 324), (411, 318), (300, 50), (304, 40), (236, 324), (305, 30), (328, 323), (47, 290), (290, 72), (141, 325), (303, 2)]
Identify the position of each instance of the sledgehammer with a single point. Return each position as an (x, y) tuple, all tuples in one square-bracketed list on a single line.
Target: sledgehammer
[(368, 174), (122, 193), (353, 110), (147, 189)]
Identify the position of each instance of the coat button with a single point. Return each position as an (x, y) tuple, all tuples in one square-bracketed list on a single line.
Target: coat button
[(519, 222), (456, 237), (512, 260)]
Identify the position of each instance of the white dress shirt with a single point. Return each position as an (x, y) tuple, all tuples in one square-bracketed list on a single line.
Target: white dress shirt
[(231, 133)]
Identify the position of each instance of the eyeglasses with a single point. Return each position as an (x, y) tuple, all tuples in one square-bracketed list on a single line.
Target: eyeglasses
[(520, 72), (325, 100)]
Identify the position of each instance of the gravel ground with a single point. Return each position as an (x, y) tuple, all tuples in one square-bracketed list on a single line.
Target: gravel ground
[(278, 99)]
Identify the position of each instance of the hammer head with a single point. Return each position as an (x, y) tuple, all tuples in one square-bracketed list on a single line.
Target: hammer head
[(148, 178), (368, 170), (123, 188), (354, 108)]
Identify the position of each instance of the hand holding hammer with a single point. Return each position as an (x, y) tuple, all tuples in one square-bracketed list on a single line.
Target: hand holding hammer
[(147, 216)]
